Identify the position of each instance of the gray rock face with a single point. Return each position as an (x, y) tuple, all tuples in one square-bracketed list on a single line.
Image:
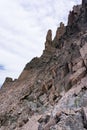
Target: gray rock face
[(51, 92), (84, 2)]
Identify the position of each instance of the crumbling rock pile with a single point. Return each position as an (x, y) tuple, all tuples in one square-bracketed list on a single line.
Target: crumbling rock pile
[(51, 92)]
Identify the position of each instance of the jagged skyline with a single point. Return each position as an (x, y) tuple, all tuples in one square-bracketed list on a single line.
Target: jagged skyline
[(51, 91), (23, 27)]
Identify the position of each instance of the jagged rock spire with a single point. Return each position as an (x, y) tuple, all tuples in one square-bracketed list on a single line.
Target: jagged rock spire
[(74, 14), (60, 30), (49, 36), (51, 92), (48, 39), (78, 16)]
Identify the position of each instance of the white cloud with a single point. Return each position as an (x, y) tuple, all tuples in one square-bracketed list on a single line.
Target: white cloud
[(23, 26)]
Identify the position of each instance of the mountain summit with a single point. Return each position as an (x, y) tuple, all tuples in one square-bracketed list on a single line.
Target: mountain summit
[(51, 91)]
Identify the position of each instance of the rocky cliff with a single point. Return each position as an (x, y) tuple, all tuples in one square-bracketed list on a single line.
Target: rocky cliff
[(51, 92)]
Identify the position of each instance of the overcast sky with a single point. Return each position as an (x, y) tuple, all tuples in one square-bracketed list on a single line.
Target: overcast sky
[(23, 27)]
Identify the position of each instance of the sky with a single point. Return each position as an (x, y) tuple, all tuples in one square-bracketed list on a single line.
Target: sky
[(23, 28)]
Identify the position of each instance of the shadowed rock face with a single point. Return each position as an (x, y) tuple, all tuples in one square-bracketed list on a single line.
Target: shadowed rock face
[(84, 2), (51, 91), (84, 5)]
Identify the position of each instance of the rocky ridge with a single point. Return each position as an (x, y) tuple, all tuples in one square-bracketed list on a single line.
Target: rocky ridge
[(51, 92)]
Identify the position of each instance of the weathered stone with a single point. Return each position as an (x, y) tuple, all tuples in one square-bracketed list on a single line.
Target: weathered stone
[(33, 106), (52, 89), (84, 114), (49, 36), (48, 42), (84, 3), (60, 31), (75, 77), (78, 65), (32, 124), (43, 98), (8, 79), (76, 9), (83, 52), (44, 88), (49, 124), (71, 18), (23, 75)]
